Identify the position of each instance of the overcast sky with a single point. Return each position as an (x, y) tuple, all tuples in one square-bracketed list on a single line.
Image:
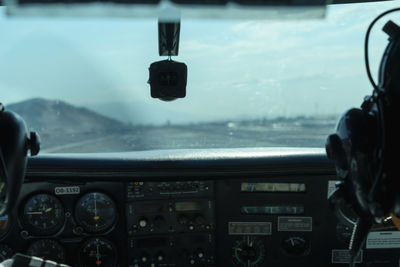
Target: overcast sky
[(237, 69)]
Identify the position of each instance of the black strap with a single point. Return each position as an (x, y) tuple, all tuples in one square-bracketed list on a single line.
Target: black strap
[(3, 183)]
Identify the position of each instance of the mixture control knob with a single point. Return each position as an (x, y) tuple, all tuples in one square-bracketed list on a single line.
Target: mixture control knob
[(142, 222)]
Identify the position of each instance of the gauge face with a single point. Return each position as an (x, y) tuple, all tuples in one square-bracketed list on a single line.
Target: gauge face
[(95, 212), (98, 252), (5, 252), (43, 214), (47, 249), (248, 252), (296, 246)]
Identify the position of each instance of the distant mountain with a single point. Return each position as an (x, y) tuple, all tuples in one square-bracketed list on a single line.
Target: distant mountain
[(47, 116)]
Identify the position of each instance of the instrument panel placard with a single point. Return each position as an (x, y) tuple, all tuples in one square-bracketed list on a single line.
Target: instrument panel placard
[(342, 256), (294, 224), (67, 190), (383, 240), (249, 228), (277, 210), (274, 187)]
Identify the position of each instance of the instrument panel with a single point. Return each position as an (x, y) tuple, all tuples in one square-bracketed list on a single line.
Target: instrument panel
[(249, 222), (75, 224)]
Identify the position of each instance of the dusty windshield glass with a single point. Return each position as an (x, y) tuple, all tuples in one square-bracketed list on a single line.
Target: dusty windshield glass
[(82, 83)]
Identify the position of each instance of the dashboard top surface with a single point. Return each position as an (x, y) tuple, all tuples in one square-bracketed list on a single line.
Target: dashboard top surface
[(187, 162)]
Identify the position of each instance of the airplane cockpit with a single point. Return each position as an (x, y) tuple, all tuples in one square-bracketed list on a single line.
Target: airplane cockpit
[(218, 133)]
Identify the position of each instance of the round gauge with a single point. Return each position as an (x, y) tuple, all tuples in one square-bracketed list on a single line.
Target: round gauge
[(95, 212), (248, 252), (43, 214), (5, 252), (296, 246), (47, 249), (98, 252)]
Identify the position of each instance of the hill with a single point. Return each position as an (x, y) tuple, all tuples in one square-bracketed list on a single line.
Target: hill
[(59, 123), (53, 115)]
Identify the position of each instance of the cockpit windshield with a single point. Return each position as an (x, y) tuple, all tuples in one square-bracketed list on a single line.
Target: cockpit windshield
[(82, 83)]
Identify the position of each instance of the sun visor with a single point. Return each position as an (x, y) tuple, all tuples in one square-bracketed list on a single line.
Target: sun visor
[(209, 9)]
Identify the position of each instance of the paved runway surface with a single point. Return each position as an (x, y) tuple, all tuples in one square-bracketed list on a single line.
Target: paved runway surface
[(303, 132)]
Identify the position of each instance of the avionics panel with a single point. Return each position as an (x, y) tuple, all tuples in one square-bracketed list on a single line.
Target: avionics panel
[(164, 190), (287, 221), (171, 223)]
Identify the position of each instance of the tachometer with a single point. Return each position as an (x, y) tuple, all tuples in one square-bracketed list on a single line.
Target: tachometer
[(98, 252), (95, 212), (43, 214), (47, 249)]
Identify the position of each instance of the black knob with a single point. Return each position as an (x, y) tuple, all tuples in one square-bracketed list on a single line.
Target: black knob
[(200, 253), (143, 222), (160, 256), (182, 219), (144, 258), (199, 219), (295, 245)]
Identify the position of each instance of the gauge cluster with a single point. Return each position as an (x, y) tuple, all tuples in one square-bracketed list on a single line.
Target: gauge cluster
[(249, 222), (74, 224)]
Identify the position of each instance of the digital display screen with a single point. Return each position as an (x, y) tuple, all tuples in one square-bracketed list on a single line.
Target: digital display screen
[(152, 242), (279, 210), (187, 206), (150, 207), (273, 187), (192, 239)]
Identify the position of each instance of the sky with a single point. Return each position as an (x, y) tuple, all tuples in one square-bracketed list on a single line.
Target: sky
[(237, 69)]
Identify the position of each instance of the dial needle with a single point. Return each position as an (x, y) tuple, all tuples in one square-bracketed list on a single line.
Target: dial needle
[(34, 213), (95, 205), (98, 262)]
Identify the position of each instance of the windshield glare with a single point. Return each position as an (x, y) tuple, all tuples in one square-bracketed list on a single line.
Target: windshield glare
[(82, 83)]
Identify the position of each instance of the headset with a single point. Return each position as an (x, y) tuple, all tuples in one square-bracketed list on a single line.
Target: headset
[(14, 146), (365, 146)]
